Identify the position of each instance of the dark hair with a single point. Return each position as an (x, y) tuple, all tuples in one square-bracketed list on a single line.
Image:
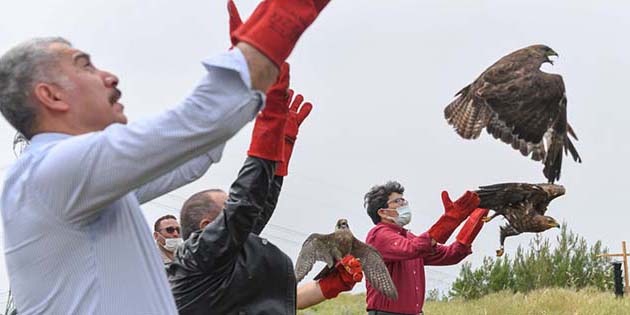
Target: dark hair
[(377, 197), (156, 226), (198, 207)]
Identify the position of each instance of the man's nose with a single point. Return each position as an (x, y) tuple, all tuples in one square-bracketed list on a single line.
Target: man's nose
[(111, 81), (176, 233)]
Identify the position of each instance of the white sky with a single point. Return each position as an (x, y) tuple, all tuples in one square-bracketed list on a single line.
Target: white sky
[(379, 74)]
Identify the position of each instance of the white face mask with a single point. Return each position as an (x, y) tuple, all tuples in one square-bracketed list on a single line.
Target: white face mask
[(171, 244), (404, 216)]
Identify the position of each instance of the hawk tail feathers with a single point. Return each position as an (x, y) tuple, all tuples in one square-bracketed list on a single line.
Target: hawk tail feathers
[(553, 161), (466, 117), (568, 145)]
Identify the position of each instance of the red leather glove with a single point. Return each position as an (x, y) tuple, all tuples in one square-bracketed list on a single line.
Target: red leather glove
[(472, 226), (297, 115), (347, 272), (268, 135), (276, 25), (454, 214)]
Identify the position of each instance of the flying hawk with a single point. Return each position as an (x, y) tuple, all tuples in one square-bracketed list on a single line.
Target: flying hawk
[(521, 105), (330, 248), (522, 205)]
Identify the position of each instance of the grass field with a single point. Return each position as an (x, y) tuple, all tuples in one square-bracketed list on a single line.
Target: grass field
[(540, 302)]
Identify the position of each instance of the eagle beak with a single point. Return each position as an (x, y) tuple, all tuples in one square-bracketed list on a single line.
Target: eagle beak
[(556, 225), (551, 53)]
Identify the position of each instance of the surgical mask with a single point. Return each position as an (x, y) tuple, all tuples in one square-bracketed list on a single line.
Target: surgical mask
[(404, 216), (171, 244)]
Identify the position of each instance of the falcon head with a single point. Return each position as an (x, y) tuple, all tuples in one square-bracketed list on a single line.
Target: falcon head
[(342, 224), (543, 52), (552, 190), (545, 222)]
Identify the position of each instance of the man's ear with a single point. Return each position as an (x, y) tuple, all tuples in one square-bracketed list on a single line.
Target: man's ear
[(382, 213), (50, 96), (203, 223), (155, 235)]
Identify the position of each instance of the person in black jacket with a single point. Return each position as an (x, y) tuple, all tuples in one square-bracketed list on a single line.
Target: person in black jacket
[(224, 267)]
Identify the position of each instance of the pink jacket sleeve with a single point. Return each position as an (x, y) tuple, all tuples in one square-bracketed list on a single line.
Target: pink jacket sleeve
[(447, 255), (394, 247)]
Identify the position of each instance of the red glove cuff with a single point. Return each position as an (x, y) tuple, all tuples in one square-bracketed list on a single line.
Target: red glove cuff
[(472, 227), (347, 272), (454, 214), (275, 26), (267, 137)]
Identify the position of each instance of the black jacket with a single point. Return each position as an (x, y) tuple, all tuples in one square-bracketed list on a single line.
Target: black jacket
[(226, 268)]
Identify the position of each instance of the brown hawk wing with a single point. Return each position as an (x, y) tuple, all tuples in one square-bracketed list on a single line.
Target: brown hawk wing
[(469, 113), (501, 195), (315, 248), (374, 269)]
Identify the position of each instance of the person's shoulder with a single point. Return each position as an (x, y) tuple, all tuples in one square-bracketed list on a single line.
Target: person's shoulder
[(377, 230)]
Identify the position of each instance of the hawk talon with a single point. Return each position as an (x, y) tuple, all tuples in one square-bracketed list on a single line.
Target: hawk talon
[(500, 252)]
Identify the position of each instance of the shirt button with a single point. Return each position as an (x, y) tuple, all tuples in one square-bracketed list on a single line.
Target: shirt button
[(414, 272)]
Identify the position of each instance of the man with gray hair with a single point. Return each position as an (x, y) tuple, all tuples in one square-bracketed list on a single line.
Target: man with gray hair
[(75, 239)]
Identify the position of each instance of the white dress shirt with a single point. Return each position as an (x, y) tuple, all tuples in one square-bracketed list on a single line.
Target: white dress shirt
[(75, 239)]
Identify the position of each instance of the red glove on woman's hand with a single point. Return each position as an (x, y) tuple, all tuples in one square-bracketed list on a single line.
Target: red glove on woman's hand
[(297, 114), (454, 214), (347, 272), (268, 134), (472, 226), (276, 25)]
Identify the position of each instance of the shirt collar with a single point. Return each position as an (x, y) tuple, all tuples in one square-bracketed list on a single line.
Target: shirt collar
[(393, 226), (47, 137)]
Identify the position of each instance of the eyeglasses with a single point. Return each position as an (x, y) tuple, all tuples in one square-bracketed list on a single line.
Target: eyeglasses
[(399, 200), (171, 229)]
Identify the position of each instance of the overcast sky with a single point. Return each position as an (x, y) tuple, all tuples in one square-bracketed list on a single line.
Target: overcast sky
[(379, 74)]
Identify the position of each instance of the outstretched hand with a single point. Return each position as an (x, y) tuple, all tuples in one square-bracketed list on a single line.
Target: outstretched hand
[(454, 214), (298, 111), (471, 228)]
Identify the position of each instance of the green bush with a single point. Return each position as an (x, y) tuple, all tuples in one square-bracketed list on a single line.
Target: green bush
[(570, 264)]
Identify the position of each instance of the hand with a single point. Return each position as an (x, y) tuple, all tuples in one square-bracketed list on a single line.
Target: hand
[(454, 214), (297, 115), (276, 25), (471, 228), (346, 273), (268, 134)]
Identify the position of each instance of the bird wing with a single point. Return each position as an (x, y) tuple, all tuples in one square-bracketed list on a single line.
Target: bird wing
[(524, 108), (498, 196), (315, 248), (374, 269), (468, 113)]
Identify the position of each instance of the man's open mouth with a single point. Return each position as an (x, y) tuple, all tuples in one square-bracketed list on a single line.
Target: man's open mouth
[(115, 96)]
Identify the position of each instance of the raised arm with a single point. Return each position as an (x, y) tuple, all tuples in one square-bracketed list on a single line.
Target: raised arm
[(296, 116), (220, 241), (269, 205), (462, 247), (182, 175), (395, 247), (97, 168)]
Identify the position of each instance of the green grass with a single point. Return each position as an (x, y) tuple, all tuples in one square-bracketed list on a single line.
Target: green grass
[(540, 302)]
